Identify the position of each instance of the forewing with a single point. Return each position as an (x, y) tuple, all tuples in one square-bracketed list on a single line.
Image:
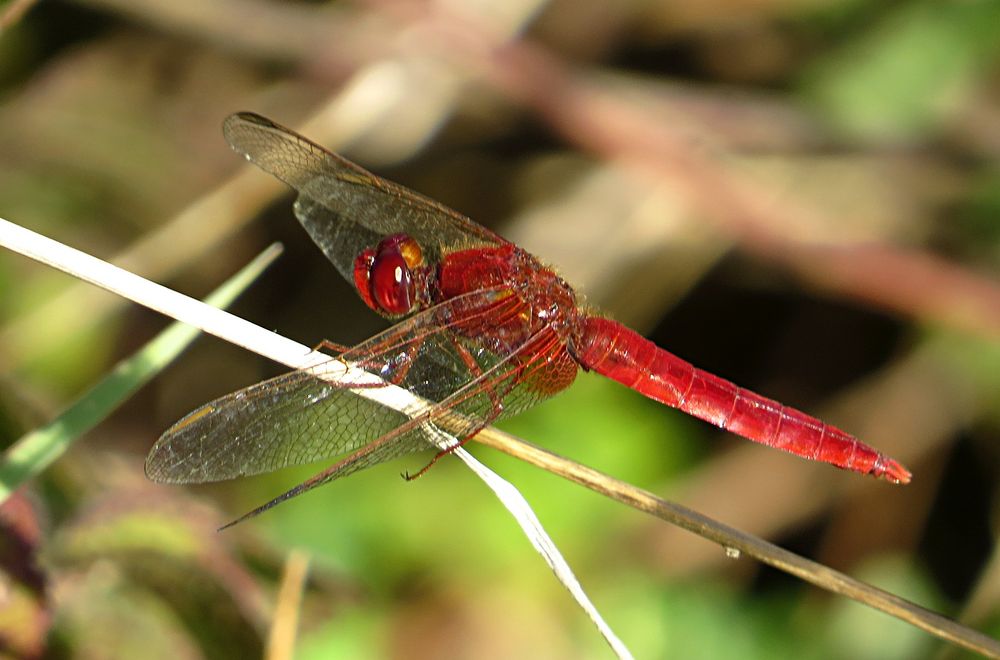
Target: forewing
[(444, 355), (345, 208)]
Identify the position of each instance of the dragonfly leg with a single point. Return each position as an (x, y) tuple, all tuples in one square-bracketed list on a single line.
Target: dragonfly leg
[(347, 354), (411, 355), (512, 379), (327, 345), (498, 407), (476, 370), (442, 453), (340, 350)]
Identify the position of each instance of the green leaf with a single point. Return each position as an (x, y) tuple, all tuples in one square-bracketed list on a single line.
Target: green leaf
[(908, 72), (39, 448)]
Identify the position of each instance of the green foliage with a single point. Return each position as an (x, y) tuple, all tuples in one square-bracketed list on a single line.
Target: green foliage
[(35, 451), (901, 78)]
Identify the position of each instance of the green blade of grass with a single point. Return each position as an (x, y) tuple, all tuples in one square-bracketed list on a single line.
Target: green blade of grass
[(35, 451)]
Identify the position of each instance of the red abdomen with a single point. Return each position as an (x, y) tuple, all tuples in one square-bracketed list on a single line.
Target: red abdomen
[(617, 352)]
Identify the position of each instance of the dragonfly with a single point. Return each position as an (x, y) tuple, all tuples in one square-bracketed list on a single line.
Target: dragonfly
[(483, 331)]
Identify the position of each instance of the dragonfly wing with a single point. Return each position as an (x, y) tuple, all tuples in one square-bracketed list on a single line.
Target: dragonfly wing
[(440, 354), (293, 419), (345, 208), (540, 367)]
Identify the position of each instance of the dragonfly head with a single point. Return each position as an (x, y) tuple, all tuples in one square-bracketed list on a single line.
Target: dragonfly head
[(388, 276)]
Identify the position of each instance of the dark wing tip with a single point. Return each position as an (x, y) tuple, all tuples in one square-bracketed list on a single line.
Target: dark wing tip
[(247, 117), (235, 125), (276, 149)]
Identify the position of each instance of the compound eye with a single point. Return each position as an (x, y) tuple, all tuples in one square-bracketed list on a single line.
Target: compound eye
[(385, 276), (362, 277), (391, 282)]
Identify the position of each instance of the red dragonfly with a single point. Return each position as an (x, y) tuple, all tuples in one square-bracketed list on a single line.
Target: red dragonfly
[(488, 332)]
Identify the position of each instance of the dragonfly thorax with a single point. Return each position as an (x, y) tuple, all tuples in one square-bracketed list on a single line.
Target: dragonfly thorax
[(549, 299)]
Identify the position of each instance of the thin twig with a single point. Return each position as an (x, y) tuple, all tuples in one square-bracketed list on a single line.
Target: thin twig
[(734, 540)]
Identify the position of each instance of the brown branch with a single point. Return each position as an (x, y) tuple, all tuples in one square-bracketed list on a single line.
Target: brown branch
[(909, 282), (594, 117), (734, 540), (14, 12)]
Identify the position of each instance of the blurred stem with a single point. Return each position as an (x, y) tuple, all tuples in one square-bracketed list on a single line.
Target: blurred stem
[(281, 641), (14, 12)]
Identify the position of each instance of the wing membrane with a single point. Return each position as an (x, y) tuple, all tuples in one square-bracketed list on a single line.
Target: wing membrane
[(297, 418), (344, 207)]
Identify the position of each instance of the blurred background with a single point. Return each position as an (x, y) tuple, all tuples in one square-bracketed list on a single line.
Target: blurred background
[(802, 196)]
